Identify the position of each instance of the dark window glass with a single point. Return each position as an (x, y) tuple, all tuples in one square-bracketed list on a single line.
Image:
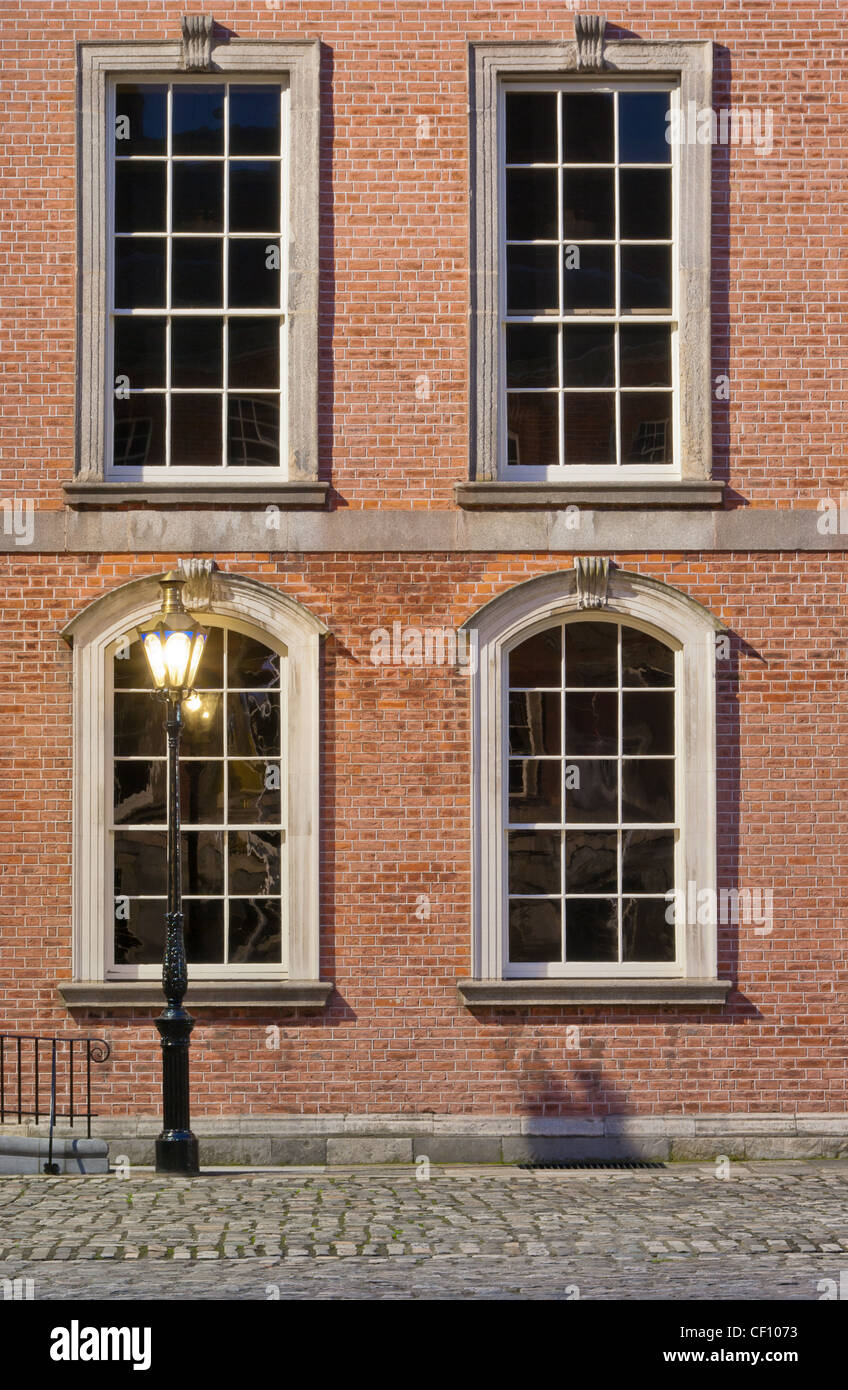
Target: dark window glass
[(140, 272), (589, 204), (204, 930), (642, 127), (141, 120), (129, 667), (591, 654), (195, 430), (531, 128), (531, 355), (590, 428), (591, 929), (538, 660), (139, 725), (197, 193), (254, 195), (203, 727), (533, 425), (140, 935), (197, 272), (647, 789), (534, 861), (588, 356), (587, 123), (202, 858), (591, 862), (644, 203), (532, 282), (646, 428), (645, 933), (644, 660), (254, 792), (534, 790), (140, 351), (253, 431), (255, 930), (140, 792), (140, 196), (211, 671), (254, 352), (647, 858), (254, 120), (141, 862), (531, 204), (535, 930), (201, 792), (591, 793), (591, 722), (251, 665), (589, 277), (534, 722), (197, 352), (646, 279), (254, 858), (139, 431), (648, 722), (254, 274), (645, 354), (253, 724), (197, 120)]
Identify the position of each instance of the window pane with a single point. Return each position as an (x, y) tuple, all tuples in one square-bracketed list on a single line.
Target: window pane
[(647, 861), (254, 352), (141, 119), (201, 792), (129, 668), (531, 204), (644, 660), (140, 351), (589, 204), (141, 862), (538, 660), (587, 124), (645, 933), (210, 673), (140, 793), (591, 862), (591, 793), (195, 430), (253, 431), (591, 929), (589, 277), (139, 725), (198, 120), (645, 203), (254, 862), (534, 722), (202, 858), (591, 722), (203, 728), (531, 355), (255, 930), (534, 790), (254, 120), (254, 792), (646, 279), (204, 931), (648, 722), (254, 196), (140, 197), (591, 654), (531, 128), (140, 938), (250, 663), (253, 724), (642, 127), (647, 789), (645, 354), (532, 284), (139, 432), (254, 274), (197, 352), (646, 428), (197, 193), (534, 861), (588, 356), (535, 931), (590, 428), (140, 272), (533, 424), (197, 273)]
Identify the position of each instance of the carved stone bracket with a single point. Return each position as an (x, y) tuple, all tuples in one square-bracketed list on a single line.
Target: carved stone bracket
[(589, 33), (199, 582), (197, 42), (592, 580)]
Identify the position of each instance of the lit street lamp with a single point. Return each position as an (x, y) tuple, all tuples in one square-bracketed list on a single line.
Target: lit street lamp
[(173, 645)]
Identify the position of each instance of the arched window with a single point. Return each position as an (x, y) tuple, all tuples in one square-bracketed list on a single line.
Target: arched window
[(248, 791), (594, 791)]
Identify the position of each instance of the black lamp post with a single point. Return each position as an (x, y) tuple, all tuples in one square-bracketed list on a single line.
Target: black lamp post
[(173, 645)]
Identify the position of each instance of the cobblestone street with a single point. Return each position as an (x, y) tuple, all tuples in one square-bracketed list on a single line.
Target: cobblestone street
[(769, 1230)]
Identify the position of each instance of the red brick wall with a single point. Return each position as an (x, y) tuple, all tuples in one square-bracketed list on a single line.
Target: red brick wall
[(396, 790)]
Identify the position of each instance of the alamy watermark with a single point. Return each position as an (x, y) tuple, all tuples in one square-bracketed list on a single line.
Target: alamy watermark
[(706, 907), (18, 519), (737, 125)]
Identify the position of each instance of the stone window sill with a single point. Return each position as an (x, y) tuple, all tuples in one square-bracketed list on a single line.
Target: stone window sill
[(202, 994), (521, 993), (494, 494), (203, 494)]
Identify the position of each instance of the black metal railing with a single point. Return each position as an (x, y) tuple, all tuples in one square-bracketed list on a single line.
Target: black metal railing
[(24, 1073)]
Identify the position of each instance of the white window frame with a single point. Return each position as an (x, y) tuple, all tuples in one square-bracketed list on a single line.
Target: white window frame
[(690, 630), (272, 617)]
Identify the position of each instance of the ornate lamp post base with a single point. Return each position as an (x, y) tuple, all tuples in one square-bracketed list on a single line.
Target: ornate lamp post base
[(176, 1146)]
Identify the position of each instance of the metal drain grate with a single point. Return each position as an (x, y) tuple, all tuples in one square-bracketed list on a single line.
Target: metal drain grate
[(596, 1163)]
